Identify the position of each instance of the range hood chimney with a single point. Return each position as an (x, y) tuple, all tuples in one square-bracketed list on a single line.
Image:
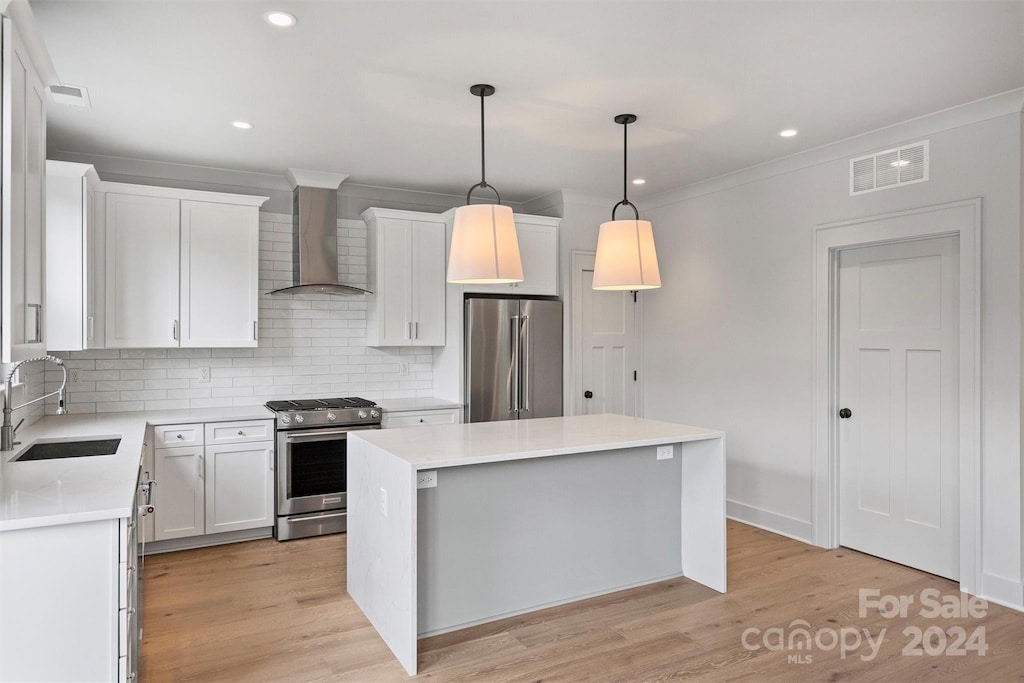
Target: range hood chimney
[(315, 237)]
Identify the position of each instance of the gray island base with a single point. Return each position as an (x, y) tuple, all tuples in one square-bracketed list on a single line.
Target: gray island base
[(526, 515)]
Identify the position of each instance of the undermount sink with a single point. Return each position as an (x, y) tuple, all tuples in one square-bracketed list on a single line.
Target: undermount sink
[(69, 449)]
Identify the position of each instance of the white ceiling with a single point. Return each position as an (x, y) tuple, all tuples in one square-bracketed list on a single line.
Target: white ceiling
[(379, 90)]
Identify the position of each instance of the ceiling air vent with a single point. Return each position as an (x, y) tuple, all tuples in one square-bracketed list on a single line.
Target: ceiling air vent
[(891, 168), (75, 95)]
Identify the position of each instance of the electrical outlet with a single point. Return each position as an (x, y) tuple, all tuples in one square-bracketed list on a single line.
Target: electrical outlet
[(74, 376), (665, 452), (204, 374), (384, 502), (426, 480), (403, 368)]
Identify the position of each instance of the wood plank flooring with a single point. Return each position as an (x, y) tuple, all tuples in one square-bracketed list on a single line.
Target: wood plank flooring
[(267, 611)]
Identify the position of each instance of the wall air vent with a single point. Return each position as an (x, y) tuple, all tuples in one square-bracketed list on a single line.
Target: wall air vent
[(891, 168), (75, 95)]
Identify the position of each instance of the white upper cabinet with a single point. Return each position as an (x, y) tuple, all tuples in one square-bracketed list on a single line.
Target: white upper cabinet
[(219, 274), (23, 202), (142, 271), (406, 272), (538, 248), (71, 306), (181, 267)]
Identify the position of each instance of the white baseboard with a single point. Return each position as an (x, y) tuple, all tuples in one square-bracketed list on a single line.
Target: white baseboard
[(1005, 592), (790, 527)]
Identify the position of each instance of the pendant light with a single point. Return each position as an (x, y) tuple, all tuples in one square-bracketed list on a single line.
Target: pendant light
[(485, 249), (626, 259)]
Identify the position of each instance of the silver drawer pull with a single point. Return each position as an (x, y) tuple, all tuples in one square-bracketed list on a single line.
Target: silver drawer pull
[(180, 436), (241, 433)]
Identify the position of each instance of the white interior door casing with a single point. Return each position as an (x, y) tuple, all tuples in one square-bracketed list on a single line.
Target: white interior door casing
[(606, 346), (898, 370)]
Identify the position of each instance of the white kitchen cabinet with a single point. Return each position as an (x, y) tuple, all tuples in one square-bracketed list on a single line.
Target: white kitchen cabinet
[(71, 602), (22, 202), (179, 497), (538, 249), (222, 481), (220, 246), (239, 486), (71, 307), (181, 267), (406, 271), (421, 418)]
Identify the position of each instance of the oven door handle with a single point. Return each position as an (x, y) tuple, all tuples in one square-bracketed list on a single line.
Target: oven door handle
[(321, 435)]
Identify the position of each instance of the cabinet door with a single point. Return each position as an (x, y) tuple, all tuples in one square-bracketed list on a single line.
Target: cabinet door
[(179, 493), (394, 282), (24, 149), (428, 283), (142, 271), (219, 274), (538, 247), (239, 486)]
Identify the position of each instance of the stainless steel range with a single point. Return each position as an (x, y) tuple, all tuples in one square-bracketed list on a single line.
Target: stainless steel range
[(312, 446)]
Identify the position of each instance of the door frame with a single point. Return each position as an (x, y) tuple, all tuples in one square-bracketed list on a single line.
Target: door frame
[(576, 350), (961, 219)]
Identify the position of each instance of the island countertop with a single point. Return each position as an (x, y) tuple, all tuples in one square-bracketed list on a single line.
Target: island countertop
[(483, 442)]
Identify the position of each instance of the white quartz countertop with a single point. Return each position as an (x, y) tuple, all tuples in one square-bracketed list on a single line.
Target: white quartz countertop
[(69, 490), (395, 405), (483, 442)]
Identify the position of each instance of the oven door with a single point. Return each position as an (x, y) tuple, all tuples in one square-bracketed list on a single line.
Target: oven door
[(311, 470)]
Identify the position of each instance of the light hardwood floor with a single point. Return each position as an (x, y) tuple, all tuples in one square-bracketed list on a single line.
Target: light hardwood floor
[(267, 611)]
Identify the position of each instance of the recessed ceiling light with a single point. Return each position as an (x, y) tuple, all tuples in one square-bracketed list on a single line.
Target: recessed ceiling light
[(787, 133), (639, 181), (901, 162), (280, 19), (241, 125)]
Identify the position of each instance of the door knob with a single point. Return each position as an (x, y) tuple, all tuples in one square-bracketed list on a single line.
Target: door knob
[(845, 413), (588, 394)]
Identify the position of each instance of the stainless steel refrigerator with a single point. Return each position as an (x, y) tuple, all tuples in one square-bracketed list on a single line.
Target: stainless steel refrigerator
[(513, 359)]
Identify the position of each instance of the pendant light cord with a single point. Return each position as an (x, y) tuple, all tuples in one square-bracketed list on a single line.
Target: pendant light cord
[(483, 91), (625, 120)]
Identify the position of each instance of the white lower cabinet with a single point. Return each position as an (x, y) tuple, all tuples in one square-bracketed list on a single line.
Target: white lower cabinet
[(223, 481), (421, 418), (70, 596)]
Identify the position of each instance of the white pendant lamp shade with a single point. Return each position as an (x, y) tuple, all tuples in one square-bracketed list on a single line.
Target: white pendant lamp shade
[(485, 248), (626, 259)]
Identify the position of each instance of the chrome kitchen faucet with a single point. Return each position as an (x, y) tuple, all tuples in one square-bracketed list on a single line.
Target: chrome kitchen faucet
[(7, 432)]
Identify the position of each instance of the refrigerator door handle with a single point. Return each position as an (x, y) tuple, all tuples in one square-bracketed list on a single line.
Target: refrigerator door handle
[(513, 384), (524, 393)]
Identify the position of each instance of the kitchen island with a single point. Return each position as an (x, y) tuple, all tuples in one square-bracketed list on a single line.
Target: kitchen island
[(457, 525)]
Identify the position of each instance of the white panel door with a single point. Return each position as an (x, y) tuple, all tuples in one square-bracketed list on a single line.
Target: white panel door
[(239, 486), (142, 271), (219, 274), (178, 497), (898, 378), (428, 283), (606, 346)]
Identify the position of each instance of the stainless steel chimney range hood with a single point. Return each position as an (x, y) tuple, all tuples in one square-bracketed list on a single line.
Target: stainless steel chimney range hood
[(315, 236)]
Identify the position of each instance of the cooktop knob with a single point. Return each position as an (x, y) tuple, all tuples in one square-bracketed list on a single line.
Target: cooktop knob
[(300, 419), (362, 414), (375, 413), (331, 417), (285, 420)]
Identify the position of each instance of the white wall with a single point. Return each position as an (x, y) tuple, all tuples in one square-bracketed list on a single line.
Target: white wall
[(731, 329)]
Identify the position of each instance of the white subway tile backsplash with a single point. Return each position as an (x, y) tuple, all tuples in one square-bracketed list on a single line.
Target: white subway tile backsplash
[(310, 345)]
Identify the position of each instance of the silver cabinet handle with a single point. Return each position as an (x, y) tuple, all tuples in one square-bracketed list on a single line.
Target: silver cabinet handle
[(200, 474), (416, 330), (524, 397), (91, 327), (408, 333), (270, 459), (39, 324), (175, 330), (180, 436), (255, 331), (241, 433)]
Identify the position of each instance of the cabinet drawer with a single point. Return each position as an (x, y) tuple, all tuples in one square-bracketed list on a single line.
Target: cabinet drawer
[(417, 418), (172, 436), (239, 432)]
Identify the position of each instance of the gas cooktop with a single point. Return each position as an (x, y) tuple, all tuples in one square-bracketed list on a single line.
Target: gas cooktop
[(319, 404), (323, 412)]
